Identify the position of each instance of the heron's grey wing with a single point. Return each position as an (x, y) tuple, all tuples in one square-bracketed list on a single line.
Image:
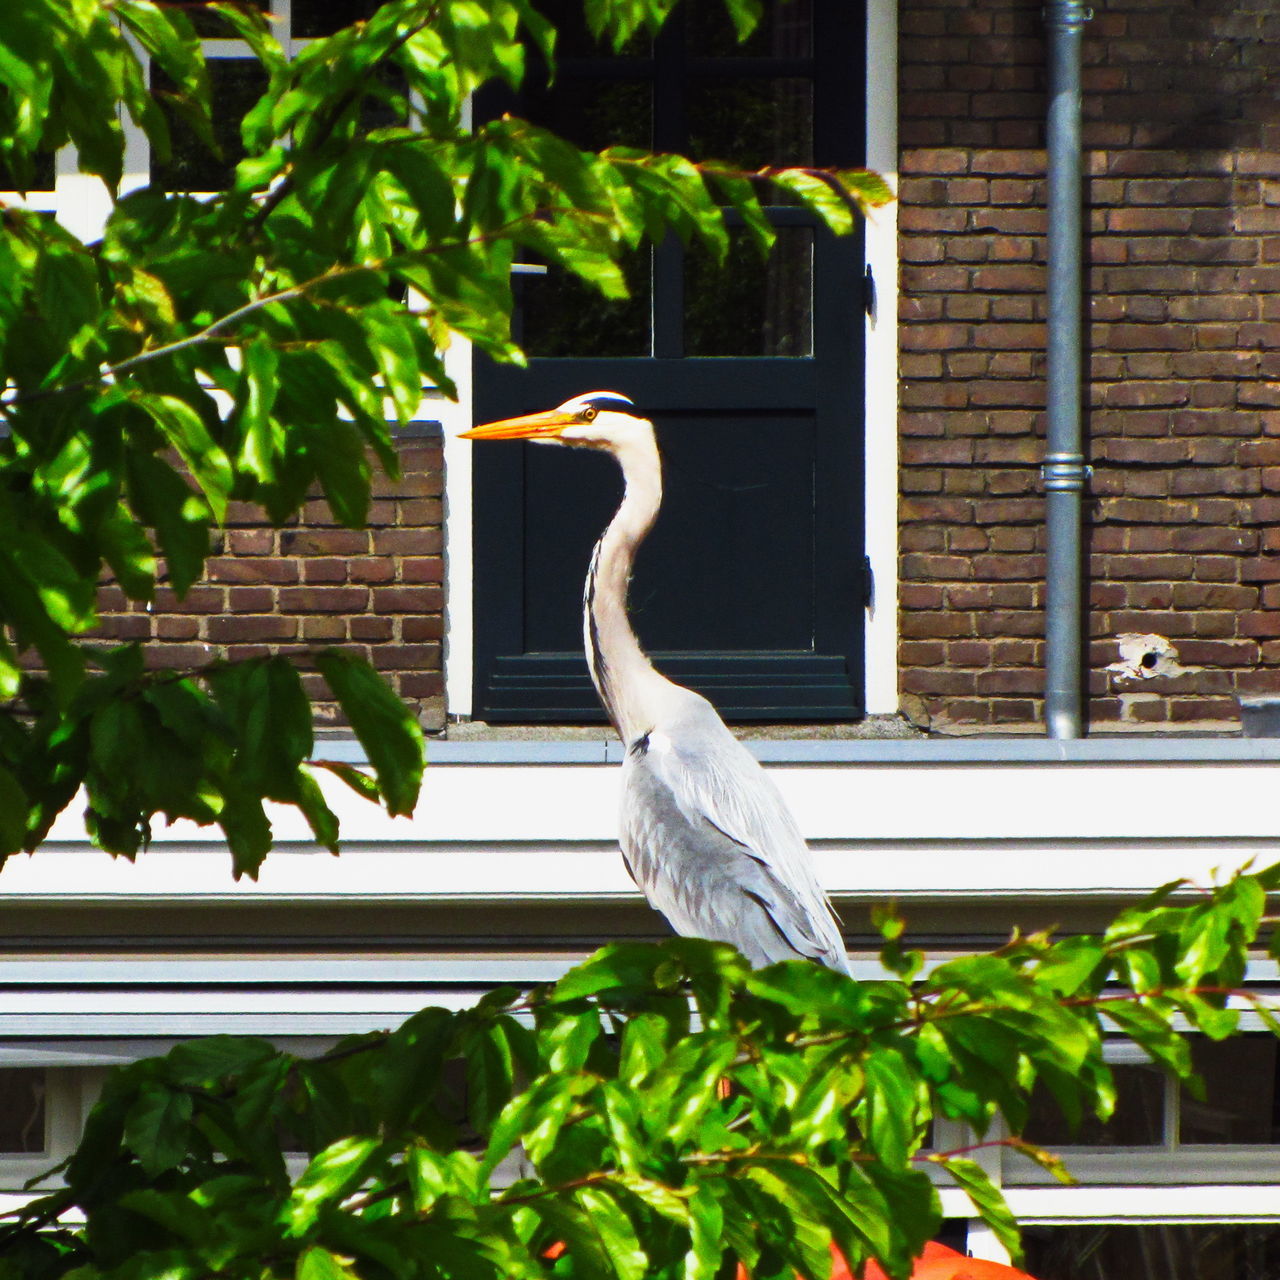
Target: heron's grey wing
[(710, 841)]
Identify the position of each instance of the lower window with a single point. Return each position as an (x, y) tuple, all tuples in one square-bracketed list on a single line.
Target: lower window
[(22, 1111), (1154, 1251)]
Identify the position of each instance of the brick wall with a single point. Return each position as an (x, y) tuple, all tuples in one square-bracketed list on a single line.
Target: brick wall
[(1182, 108), (377, 591)]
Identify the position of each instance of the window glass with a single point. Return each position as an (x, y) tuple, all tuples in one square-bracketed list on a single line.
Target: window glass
[(386, 101), (1154, 1251), (574, 39), (784, 31), (324, 17), (1138, 1120), (751, 122), (594, 114), (1239, 1105), (22, 1110), (210, 24), (237, 83), (560, 315), (749, 305)]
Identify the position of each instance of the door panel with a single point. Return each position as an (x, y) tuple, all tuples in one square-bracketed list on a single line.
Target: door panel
[(750, 587)]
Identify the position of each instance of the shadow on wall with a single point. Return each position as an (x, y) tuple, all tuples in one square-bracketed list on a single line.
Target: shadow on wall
[(1201, 74)]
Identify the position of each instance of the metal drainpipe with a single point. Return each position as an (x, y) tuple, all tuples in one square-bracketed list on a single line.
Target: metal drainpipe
[(1064, 471)]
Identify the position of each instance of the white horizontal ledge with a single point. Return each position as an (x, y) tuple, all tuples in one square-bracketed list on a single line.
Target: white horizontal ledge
[(497, 803), (522, 832), (585, 876), (1021, 749), (1241, 1203)]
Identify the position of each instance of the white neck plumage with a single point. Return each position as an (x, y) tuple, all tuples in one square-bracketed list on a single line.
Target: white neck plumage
[(625, 679)]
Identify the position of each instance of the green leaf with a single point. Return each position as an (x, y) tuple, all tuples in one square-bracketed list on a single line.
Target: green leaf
[(205, 1062), (670, 1202), (566, 1037), (801, 1203), (126, 548), (392, 345), (262, 438), (1052, 1164), (331, 1175), (890, 1103), (490, 1077), (174, 1211), (343, 468), (157, 1128), (184, 428), (14, 808), (359, 781), (989, 1202), (320, 818), (180, 518), (65, 595), (317, 1263), (388, 732)]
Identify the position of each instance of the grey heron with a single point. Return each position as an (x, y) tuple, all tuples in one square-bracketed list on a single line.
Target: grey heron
[(704, 831)]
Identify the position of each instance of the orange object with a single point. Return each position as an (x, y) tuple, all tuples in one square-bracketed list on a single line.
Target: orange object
[(937, 1262)]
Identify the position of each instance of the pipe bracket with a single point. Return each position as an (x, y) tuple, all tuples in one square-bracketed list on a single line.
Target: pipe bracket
[(1065, 472), (1066, 15)]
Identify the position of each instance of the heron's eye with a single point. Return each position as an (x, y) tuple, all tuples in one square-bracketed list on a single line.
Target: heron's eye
[(588, 415)]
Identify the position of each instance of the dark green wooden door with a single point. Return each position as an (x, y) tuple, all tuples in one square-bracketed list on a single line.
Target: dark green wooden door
[(750, 588)]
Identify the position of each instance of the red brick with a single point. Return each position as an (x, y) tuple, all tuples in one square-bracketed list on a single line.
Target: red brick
[(246, 628), (935, 161), (412, 542), (234, 569), (325, 630), (250, 599), (324, 542), (423, 599), (425, 569), (324, 599), (369, 627), (325, 569)]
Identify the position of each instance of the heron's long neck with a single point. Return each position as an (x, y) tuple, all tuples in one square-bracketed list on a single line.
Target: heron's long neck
[(624, 678)]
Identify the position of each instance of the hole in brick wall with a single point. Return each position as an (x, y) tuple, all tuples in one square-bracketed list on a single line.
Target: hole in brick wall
[(1143, 657)]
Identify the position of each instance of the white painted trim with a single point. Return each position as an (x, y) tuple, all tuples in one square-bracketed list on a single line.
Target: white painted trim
[(529, 833), (1145, 1204), (568, 876), (948, 813), (881, 389), (459, 562)]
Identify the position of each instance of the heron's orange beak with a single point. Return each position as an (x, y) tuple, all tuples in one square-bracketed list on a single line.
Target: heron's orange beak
[(530, 426)]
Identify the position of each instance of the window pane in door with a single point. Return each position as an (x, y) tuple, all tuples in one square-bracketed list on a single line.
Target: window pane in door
[(749, 305), (1240, 1081), (1154, 1251), (751, 121), (559, 314), (1138, 1120), (784, 31), (728, 477), (574, 40), (22, 1110), (594, 113)]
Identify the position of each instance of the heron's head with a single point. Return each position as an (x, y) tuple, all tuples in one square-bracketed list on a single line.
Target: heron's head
[(597, 420)]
